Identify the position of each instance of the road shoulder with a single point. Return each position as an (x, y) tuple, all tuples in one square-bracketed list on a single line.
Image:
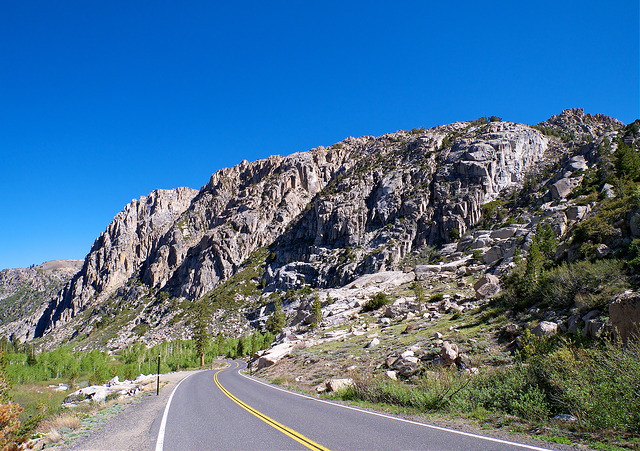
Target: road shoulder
[(128, 425)]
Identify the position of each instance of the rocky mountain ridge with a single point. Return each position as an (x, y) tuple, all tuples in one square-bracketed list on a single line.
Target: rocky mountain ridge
[(25, 292), (326, 216)]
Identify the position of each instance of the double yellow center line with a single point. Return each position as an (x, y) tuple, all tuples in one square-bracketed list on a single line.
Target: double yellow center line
[(271, 422)]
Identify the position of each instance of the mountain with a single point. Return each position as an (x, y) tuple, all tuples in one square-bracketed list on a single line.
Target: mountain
[(26, 292), (322, 218)]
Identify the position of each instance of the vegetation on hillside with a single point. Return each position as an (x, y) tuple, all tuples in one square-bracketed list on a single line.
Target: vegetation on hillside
[(597, 384)]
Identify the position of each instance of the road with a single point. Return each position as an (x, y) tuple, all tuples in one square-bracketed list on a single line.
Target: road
[(227, 410)]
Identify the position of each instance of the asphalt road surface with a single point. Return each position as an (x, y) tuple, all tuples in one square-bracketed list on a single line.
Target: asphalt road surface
[(226, 410)]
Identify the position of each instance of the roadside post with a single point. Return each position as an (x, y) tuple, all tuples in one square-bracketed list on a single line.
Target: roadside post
[(158, 380)]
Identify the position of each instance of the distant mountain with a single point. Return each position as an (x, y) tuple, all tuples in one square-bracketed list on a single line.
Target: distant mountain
[(26, 292), (320, 219)]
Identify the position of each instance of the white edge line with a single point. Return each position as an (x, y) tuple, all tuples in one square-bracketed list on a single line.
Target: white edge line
[(439, 428), (163, 423)]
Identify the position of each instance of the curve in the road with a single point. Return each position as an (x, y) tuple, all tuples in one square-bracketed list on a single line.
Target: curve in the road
[(204, 415), (439, 428), (308, 443)]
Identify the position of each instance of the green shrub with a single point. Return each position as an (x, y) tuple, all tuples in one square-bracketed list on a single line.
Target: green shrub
[(378, 301), (584, 284)]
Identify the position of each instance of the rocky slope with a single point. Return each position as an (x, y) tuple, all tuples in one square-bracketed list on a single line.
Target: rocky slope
[(324, 217), (26, 292)]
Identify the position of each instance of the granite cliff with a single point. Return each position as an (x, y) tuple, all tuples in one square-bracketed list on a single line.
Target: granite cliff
[(321, 218)]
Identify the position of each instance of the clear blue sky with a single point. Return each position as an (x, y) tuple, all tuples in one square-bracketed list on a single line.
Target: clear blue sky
[(104, 101)]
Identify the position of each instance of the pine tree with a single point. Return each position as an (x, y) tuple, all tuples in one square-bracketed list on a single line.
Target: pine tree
[(419, 292), (277, 320), (317, 312), (200, 334)]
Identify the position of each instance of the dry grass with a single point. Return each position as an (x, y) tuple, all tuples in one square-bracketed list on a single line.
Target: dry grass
[(66, 420), (52, 437)]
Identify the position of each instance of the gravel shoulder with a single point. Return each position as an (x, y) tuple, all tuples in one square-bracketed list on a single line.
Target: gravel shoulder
[(129, 425)]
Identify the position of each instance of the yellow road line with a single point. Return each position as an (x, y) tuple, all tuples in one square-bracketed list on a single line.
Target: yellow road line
[(271, 422)]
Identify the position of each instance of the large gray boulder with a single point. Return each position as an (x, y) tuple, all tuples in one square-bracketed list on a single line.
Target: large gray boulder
[(487, 286), (563, 187), (624, 316)]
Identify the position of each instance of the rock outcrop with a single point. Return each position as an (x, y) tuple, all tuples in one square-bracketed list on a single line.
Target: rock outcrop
[(412, 191), (26, 292), (118, 253)]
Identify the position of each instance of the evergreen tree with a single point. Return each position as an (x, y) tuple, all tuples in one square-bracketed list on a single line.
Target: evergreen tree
[(627, 162), (277, 320), (418, 290), (317, 312), (254, 344), (200, 334), (240, 351)]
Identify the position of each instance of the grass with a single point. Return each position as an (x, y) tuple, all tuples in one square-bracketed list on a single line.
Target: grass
[(596, 385)]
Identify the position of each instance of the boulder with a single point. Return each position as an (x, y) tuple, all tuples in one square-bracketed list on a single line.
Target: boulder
[(576, 163), (573, 324), (593, 328), (503, 233), (607, 191), (463, 361), (407, 366), (391, 360), (96, 393), (545, 329), (383, 279), (492, 255), (407, 353), (373, 343), (576, 212), (338, 384), (565, 418), (393, 375), (487, 286), (563, 187), (624, 316), (449, 353), (602, 250), (274, 354)]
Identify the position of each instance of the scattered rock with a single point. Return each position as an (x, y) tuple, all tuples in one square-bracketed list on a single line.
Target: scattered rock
[(565, 418), (487, 286), (274, 354), (373, 343), (410, 328), (593, 328), (563, 187), (607, 191), (449, 353), (393, 375), (334, 385), (545, 329)]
